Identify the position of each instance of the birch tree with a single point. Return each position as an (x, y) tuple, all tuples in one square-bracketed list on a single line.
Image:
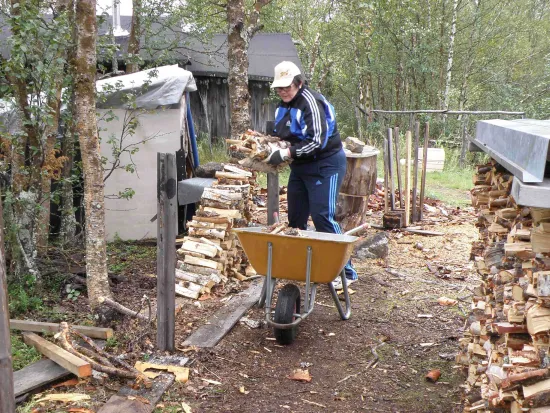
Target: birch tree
[(242, 26), (86, 128), (450, 55)]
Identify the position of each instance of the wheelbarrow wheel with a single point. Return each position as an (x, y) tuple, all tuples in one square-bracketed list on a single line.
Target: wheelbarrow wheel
[(288, 304)]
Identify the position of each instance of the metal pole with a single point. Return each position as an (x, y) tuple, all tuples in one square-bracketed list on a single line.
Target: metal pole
[(7, 398)]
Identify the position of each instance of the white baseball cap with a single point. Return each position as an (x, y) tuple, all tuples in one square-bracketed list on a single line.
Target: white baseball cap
[(284, 74)]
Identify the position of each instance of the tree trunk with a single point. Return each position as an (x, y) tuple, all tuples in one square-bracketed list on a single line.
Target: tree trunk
[(133, 41), (470, 59), (86, 128), (7, 399), (450, 56), (68, 219), (442, 52), (237, 56)]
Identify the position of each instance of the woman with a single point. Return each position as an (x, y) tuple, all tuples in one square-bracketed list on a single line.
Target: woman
[(308, 121)]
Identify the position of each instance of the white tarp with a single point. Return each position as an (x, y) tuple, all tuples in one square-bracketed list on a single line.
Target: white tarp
[(153, 88)]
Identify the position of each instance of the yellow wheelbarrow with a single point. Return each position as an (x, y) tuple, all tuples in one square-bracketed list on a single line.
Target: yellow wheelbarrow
[(314, 258)]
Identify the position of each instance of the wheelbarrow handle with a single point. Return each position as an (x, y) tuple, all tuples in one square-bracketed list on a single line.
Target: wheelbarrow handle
[(357, 229)]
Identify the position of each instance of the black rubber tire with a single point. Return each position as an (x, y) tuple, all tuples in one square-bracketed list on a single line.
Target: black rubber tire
[(288, 303)]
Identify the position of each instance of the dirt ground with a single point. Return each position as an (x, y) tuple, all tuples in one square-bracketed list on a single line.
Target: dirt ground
[(375, 362), (386, 320)]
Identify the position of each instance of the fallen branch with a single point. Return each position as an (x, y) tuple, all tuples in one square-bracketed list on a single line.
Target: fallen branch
[(102, 353), (63, 339), (121, 309), (376, 356)]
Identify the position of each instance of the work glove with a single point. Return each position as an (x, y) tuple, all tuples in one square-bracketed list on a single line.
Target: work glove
[(278, 156)]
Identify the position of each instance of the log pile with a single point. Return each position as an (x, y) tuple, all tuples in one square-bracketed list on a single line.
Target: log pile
[(252, 148), (505, 349), (211, 252)]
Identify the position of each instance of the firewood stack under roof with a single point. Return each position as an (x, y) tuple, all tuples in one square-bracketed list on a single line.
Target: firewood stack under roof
[(505, 348)]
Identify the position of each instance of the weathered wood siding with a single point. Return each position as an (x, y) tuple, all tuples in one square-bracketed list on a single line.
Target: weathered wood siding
[(215, 92)]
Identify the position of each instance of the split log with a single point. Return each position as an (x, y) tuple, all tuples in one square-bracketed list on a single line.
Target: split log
[(236, 170), (203, 263), (227, 213), (121, 309), (196, 269), (354, 144), (214, 220), (185, 292), (212, 233), (205, 249)]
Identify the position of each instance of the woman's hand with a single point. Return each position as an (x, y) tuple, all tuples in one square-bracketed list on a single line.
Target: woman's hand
[(278, 156)]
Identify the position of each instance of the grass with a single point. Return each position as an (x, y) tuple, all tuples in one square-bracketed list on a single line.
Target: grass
[(22, 355)]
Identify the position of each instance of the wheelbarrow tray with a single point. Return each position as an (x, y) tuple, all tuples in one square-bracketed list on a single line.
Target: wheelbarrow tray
[(330, 253)]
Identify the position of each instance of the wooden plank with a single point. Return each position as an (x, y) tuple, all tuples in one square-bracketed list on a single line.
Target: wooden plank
[(415, 171), (385, 152), (128, 400), (408, 179), (7, 399), (62, 357), (398, 166), (224, 319), (37, 375), (424, 165), (167, 223), (39, 327), (272, 198), (390, 169)]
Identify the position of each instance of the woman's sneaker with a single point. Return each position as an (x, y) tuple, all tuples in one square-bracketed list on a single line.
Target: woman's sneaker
[(337, 283)]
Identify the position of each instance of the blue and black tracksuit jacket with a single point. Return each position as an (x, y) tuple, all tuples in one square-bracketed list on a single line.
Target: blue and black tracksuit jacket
[(308, 122), (318, 167)]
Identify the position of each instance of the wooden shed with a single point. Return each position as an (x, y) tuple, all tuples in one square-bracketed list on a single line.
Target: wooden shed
[(207, 60), (208, 63)]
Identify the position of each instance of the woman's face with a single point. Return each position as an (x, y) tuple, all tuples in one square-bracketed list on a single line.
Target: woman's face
[(287, 93)]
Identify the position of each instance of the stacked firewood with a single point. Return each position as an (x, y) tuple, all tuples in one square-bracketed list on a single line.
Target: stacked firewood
[(505, 349), (211, 252), (252, 148)]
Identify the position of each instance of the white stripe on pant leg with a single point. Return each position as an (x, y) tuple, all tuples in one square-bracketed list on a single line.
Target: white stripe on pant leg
[(332, 203)]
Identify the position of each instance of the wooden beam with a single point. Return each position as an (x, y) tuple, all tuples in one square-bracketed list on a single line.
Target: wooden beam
[(424, 166), (385, 155), (408, 179), (7, 398), (272, 198), (398, 166), (55, 353), (224, 319), (37, 375), (415, 171), (390, 169), (39, 327), (167, 223)]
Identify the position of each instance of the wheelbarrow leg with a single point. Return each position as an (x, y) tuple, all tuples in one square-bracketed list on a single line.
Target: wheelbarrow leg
[(263, 294), (344, 315)]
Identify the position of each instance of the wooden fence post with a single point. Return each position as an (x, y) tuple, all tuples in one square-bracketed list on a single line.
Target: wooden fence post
[(7, 399), (415, 213), (424, 165), (167, 221), (272, 197)]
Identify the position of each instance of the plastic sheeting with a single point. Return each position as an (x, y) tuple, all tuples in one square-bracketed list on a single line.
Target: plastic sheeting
[(153, 88)]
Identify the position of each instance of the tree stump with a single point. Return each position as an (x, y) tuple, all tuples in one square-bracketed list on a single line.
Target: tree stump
[(358, 183)]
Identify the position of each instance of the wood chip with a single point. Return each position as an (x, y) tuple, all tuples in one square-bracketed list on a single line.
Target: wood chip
[(300, 375), (64, 397)]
